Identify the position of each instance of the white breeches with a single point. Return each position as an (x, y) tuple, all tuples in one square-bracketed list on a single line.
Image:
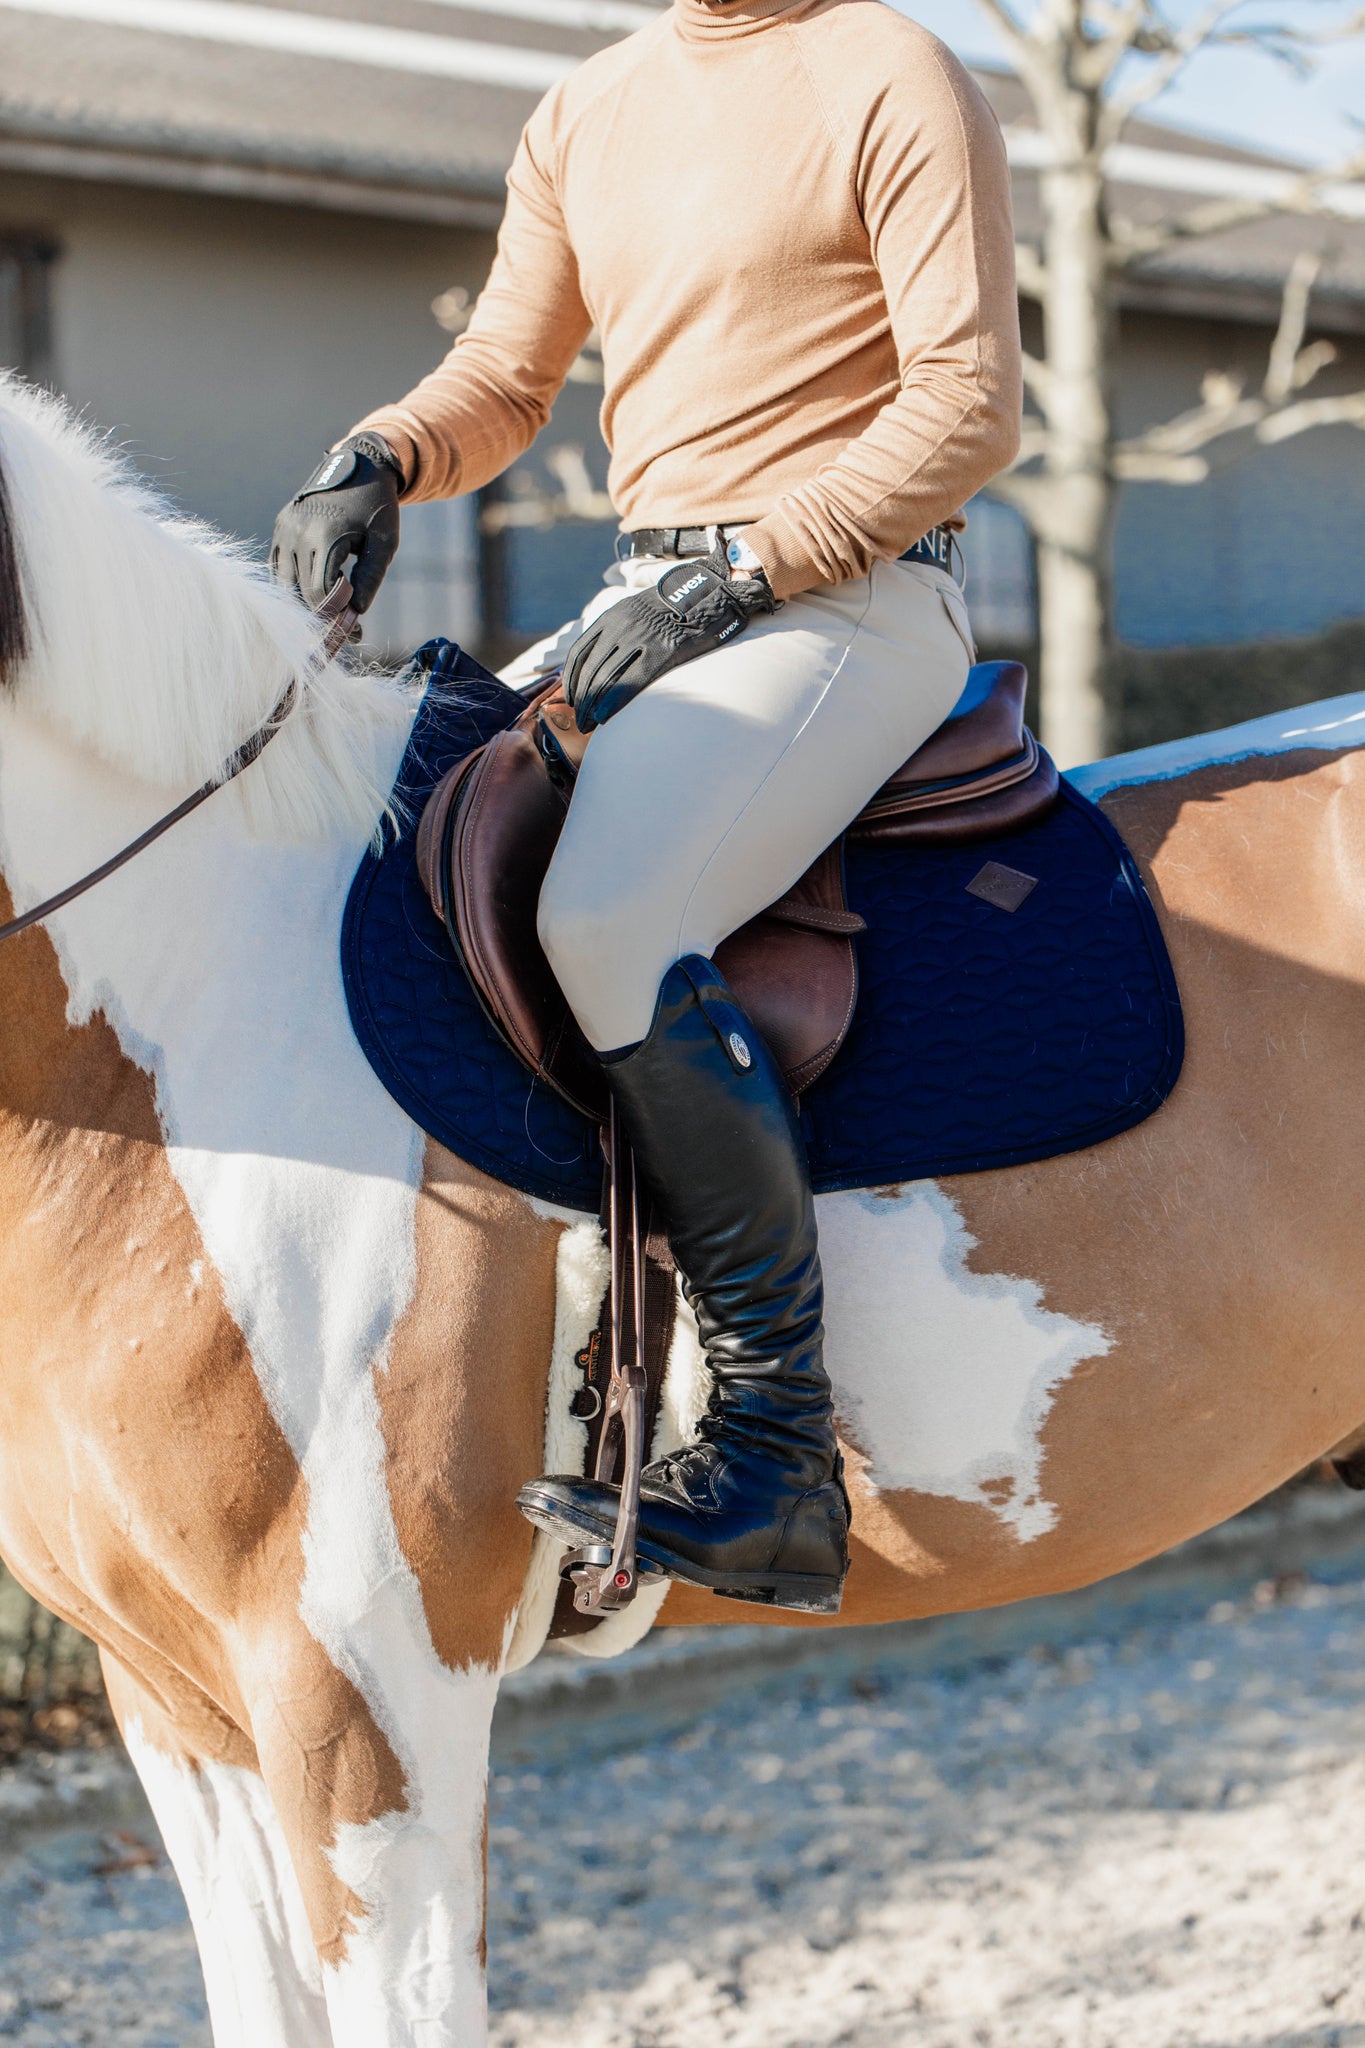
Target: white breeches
[(706, 798)]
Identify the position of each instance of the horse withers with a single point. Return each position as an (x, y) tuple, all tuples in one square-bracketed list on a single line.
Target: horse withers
[(274, 1366)]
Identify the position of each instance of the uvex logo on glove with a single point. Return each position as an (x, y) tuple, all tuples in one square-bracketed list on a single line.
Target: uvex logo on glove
[(692, 610)]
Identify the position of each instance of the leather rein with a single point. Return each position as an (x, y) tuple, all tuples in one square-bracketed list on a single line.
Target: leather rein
[(340, 615)]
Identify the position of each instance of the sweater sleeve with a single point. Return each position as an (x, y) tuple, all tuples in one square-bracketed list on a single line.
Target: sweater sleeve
[(485, 404), (934, 193)]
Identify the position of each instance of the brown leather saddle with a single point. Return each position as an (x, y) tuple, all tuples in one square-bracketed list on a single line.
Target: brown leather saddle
[(490, 827), (484, 842)]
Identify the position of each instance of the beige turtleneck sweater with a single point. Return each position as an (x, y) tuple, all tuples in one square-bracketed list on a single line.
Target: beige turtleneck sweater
[(789, 221)]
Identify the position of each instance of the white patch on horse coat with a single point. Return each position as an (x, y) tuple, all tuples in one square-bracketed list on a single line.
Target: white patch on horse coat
[(944, 1376), (261, 1971), (411, 1973), (1333, 725)]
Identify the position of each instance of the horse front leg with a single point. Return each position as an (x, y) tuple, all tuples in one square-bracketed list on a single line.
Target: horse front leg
[(336, 1892), (262, 1976), (387, 1764), (369, 1682), (411, 1973), (384, 1816)]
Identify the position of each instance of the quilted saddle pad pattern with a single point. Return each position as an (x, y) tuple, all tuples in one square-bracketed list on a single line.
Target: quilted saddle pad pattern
[(984, 1036)]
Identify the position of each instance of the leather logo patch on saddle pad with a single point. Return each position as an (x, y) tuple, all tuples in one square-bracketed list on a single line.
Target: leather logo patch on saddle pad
[(1006, 888)]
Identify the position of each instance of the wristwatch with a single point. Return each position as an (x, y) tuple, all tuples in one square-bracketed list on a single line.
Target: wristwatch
[(742, 559)]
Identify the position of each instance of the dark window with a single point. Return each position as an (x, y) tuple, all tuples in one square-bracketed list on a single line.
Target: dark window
[(25, 305)]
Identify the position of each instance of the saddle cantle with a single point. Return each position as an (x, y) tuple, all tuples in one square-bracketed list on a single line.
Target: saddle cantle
[(490, 827)]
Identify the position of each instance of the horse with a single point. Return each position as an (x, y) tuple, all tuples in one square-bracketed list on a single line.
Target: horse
[(275, 1365)]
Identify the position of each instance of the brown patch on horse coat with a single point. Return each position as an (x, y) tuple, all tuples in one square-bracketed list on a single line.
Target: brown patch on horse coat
[(462, 1402), (146, 1492), (1218, 1244)]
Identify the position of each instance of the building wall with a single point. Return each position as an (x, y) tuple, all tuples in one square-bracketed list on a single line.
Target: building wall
[(228, 342), (1270, 546)]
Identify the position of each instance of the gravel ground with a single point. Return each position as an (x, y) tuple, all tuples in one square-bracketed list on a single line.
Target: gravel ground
[(1156, 1841)]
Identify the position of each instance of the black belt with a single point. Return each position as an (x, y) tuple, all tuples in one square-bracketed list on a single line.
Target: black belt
[(680, 541), (936, 547)]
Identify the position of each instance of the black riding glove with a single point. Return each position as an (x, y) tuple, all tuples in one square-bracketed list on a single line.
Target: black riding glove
[(693, 608), (349, 506)]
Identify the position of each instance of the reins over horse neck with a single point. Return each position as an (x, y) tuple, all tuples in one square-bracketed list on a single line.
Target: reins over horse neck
[(337, 609)]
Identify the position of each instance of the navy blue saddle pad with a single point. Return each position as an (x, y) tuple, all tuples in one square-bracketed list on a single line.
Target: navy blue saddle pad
[(983, 1037)]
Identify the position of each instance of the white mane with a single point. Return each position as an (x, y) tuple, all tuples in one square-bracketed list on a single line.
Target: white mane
[(151, 639)]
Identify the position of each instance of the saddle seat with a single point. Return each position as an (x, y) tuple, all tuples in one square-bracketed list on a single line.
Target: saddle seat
[(490, 827)]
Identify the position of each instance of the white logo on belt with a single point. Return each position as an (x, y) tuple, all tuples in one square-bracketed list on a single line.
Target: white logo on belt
[(743, 1056)]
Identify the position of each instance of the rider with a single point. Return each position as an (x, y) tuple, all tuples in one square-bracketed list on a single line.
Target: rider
[(789, 221)]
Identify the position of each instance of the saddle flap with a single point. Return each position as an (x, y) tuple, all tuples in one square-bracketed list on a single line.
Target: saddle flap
[(502, 825), (486, 838), (795, 970), (431, 832)]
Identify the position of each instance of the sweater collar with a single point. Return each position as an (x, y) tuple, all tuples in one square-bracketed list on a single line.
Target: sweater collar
[(708, 21)]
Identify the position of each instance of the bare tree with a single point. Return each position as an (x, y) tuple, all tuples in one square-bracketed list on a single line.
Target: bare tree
[(1088, 66)]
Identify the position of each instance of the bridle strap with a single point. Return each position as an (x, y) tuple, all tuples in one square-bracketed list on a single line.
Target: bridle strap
[(341, 616)]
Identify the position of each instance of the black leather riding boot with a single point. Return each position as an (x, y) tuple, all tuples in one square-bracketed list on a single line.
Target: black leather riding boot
[(756, 1507)]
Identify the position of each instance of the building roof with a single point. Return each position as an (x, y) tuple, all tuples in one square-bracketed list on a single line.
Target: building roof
[(412, 108), (408, 107), (1160, 175)]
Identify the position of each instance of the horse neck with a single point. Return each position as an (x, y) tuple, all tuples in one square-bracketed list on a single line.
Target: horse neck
[(211, 960), (212, 955)]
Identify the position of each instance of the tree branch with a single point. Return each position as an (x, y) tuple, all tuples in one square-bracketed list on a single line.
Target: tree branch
[(1038, 380), (1278, 40), (1313, 412), (1015, 34), (1291, 366), (1039, 498), (1128, 244), (1174, 49), (1169, 453), (1029, 270), (1140, 467), (1223, 411), (1131, 27), (578, 497)]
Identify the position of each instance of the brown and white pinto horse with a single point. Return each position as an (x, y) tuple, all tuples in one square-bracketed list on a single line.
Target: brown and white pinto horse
[(272, 1367)]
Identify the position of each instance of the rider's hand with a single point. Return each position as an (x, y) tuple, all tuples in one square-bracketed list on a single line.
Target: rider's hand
[(694, 607), (348, 507)]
